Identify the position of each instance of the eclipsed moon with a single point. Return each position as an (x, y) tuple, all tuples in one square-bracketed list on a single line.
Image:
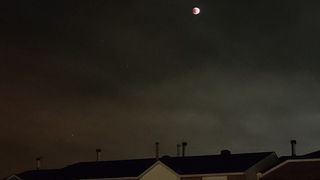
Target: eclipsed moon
[(196, 11)]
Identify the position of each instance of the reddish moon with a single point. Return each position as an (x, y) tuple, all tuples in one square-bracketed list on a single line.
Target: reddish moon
[(196, 11)]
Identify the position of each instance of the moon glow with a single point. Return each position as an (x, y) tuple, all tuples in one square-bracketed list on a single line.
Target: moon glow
[(196, 11)]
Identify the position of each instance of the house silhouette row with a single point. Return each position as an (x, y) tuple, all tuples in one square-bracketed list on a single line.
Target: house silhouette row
[(223, 166)]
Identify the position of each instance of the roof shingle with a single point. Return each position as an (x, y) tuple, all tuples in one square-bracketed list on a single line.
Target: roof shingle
[(214, 163), (107, 169)]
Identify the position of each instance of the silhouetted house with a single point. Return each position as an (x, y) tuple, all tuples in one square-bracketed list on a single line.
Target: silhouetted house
[(306, 167), (225, 166)]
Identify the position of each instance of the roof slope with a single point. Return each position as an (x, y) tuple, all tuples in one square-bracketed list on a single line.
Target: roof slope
[(214, 163), (305, 157), (313, 155), (39, 174), (107, 169)]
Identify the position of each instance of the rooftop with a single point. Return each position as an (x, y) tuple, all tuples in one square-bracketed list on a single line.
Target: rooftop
[(209, 164)]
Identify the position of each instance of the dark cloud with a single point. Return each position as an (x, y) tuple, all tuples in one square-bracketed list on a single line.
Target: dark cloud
[(121, 75)]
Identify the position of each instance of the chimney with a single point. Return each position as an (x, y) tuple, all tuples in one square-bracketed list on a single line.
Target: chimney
[(38, 160), (157, 150), (178, 150), (293, 147), (98, 152), (184, 145)]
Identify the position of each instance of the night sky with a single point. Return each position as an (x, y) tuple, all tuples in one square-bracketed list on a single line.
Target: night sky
[(77, 75)]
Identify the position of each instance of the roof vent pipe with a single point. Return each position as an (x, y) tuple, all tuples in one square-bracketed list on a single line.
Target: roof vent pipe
[(293, 147), (98, 153), (178, 150), (38, 160), (157, 150), (184, 145)]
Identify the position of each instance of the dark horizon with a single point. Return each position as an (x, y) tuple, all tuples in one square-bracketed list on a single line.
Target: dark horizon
[(115, 75)]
